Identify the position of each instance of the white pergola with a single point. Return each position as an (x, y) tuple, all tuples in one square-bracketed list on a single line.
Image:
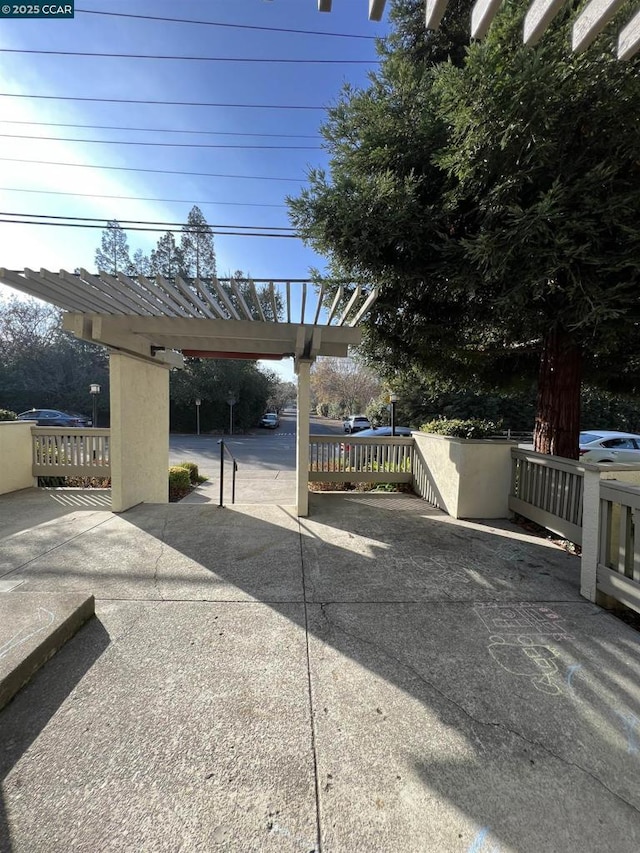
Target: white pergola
[(587, 25), (150, 326)]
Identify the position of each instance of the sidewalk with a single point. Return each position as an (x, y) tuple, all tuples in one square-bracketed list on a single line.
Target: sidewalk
[(377, 677)]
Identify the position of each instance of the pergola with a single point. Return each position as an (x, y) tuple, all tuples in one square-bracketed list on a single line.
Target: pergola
[(587, 25), (149, 326)]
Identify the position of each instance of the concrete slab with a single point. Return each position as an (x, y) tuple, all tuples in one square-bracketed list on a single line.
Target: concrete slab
[(179, 552), (435, 733), (252, 487), (377, 677), (395, 547), (36, 521), (190, 732), (32, 628)]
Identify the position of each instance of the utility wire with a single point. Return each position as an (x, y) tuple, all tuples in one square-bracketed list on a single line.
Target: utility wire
[(161, 129), (153, 230), (161, 103), (182, 225), (163, 144), (154, 171), (229, 26), (279, 59), (141, 198)]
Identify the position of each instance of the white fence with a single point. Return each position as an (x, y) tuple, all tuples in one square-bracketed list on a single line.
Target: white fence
[(352, 459), (548, 490), (618, 569), (62, 452)]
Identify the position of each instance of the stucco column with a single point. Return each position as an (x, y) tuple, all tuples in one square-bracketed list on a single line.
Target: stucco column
[(303, 369), (139, 441)]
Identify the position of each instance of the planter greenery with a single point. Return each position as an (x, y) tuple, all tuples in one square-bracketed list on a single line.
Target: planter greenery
[(6, 415), (457, 428)]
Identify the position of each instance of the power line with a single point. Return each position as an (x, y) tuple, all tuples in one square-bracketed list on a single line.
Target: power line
[(142, 198), (191, 229), (161, 129), (154, 171), (152, 230), (163, 144), (229, 26), (160, 103), (172, 57)]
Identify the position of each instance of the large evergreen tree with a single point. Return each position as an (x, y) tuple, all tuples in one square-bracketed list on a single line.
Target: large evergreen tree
[(113, 255), (493, 195), (197, 247), (166, 259)]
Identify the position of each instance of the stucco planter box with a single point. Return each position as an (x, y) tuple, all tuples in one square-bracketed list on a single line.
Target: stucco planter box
[(15, 456), (466, 477)]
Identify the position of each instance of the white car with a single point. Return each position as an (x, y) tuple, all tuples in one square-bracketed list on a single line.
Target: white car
[(356, 423), (601, 445)]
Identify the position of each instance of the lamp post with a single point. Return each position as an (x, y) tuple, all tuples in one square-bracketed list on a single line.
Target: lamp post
[(198, 402), (393, 399), (94, 390), (231, 401)]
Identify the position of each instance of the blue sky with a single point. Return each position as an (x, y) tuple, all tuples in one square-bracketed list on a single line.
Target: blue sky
[(242, 201), (255, 199)]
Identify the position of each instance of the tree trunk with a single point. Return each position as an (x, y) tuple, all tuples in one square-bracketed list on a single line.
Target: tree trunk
[(557, 425)]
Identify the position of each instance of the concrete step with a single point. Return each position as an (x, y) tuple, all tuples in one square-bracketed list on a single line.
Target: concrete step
[(33, 626)]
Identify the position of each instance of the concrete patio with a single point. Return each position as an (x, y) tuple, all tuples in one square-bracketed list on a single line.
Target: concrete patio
[(375, 677)]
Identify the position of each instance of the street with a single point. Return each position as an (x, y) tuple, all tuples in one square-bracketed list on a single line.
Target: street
[(262, 450)]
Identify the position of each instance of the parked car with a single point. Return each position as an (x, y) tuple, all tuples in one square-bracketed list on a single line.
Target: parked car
[(356, 423), (384, 431), (379, 432), (601, 445), (53, 417), (270, 420)]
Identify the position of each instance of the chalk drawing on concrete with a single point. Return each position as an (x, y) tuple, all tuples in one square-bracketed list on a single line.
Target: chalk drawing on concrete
[(522, 641), (43, 619), (630, 724)]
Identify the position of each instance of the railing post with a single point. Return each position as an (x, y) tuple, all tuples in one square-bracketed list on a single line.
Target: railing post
[(233, 482), (590, 534), (221, 443)]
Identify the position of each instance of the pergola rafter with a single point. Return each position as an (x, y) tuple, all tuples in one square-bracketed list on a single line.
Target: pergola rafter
[(588, 24)]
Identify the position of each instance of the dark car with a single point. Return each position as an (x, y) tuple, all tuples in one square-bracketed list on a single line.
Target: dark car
[(53, 418)]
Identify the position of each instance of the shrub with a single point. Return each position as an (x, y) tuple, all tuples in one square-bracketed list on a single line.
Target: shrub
[(179, 483), (6, 415), (457, 428), (192, 468)]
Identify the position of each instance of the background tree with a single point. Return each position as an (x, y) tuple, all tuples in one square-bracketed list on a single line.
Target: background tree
[(211, 380), (141, 263), (197, 246), (282, 393), (41, 366), (113, 255), (502, 193), (342, 386), (166, 259)]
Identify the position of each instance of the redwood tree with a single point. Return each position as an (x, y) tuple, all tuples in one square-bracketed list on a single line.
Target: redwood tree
[(493, 195)]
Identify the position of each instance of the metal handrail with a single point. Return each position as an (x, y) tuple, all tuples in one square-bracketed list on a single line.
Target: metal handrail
[(224, 449)]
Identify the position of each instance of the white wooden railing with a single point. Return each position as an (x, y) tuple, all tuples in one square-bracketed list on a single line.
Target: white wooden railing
[(618, 570), (548, 490), (62, 452), (352, 459)]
